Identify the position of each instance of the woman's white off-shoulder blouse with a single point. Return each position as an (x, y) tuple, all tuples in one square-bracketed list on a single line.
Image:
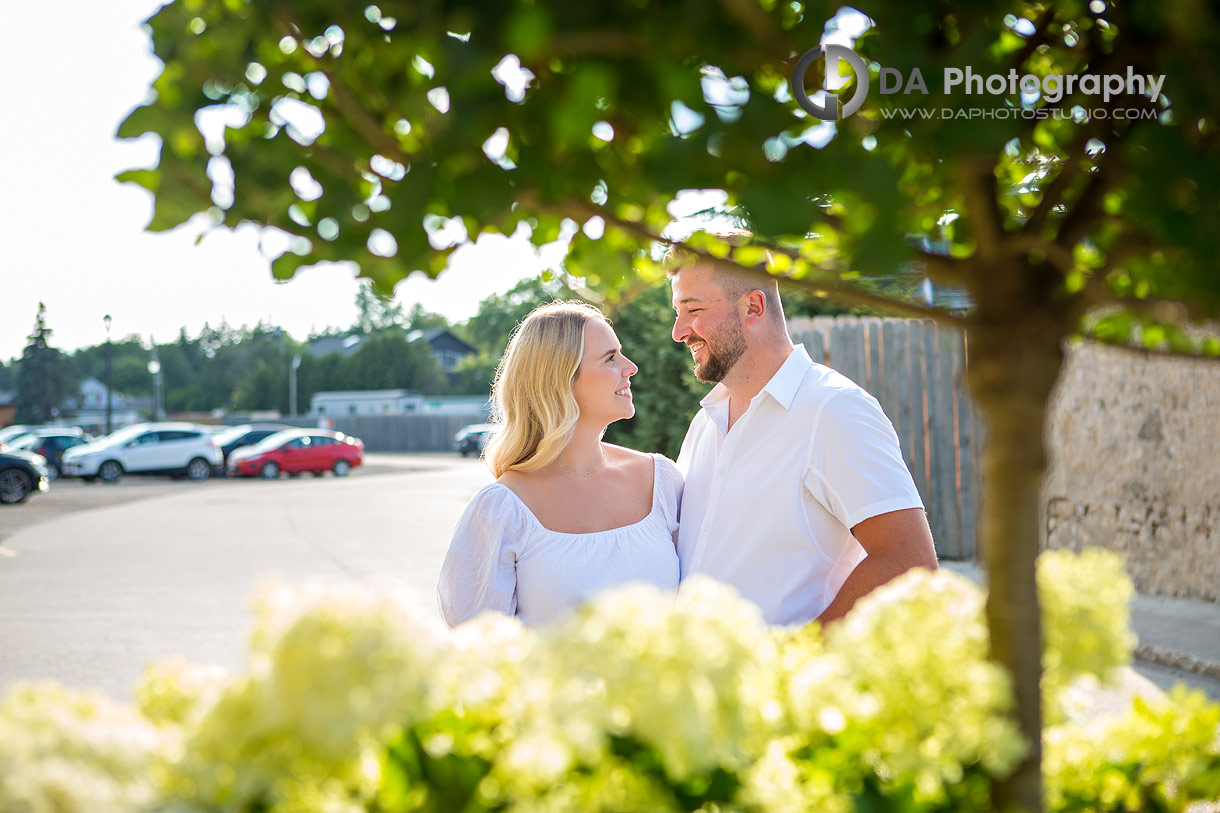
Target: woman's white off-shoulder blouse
[(502, 558)]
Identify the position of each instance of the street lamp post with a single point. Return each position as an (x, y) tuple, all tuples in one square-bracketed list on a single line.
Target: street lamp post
[(109, 384), (292, 385), (154, 368)]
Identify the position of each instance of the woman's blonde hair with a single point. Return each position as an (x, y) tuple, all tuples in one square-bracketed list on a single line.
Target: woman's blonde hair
[(532, 394)]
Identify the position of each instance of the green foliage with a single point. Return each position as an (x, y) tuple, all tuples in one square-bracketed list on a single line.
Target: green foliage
[(44, 378), (1085, 600), (636, 702), (421, 319), (474, 375), (376, 311), (1157, 758), (491, 327), (6, 376), (365, 102)]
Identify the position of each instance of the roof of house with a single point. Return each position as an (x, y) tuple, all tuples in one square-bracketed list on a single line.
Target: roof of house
[(343, 345), (441, 339)]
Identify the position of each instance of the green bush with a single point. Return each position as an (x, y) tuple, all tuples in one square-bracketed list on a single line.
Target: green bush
[(638, 701)]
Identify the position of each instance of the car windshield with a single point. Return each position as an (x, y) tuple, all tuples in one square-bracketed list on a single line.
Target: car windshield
[(10, 434), (226, 436), (23, 442), (126, 433), (276, 440)]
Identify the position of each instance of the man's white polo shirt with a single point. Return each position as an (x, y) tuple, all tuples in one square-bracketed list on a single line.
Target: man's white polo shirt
[(768, 507)]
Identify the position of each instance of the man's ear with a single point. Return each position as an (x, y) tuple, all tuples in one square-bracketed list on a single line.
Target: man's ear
[(755, 306)]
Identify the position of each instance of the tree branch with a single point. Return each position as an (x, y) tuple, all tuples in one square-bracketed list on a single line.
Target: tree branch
[(1058, 254), (830, 289), (1148, 352), (943, 267), (1169, 311), (1040, 35), (750, 14), (976, 179)]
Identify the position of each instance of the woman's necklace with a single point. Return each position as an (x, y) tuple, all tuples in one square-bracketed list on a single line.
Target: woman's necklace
[(598, 467)]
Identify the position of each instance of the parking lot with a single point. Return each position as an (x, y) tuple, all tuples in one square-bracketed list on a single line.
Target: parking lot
[(69, 495), (97, 581)]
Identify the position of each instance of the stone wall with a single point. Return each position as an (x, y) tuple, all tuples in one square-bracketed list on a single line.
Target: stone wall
[(1135, 446)]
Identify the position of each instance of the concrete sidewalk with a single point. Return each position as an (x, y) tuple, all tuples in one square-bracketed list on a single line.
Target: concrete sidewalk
[(1179, 639)]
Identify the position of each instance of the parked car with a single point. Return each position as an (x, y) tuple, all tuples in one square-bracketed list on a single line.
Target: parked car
[(235, 437), (21, 474), (176, 449), (294, 451), (51, 442), (471, 439), (11, 433)]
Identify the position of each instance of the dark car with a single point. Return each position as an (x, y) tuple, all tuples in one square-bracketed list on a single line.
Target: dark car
[(235, 437), (21, 474), (51, 443), (471, 439)]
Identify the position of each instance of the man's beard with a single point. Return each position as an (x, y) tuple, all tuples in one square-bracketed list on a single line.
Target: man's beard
[(722, 353)]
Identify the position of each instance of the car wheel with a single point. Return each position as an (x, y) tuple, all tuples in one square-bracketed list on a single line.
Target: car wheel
[(341, 468), (110, 471), (15, 486), (270, 470), (198, 469)]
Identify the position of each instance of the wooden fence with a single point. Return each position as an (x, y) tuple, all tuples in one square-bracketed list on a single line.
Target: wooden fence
[(916, 370), (397, 433)]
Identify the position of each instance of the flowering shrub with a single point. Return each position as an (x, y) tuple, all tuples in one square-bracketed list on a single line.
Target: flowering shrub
[(1086, 620), (638, 701)]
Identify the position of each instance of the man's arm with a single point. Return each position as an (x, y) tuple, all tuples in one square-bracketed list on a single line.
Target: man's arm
[(895, 543)]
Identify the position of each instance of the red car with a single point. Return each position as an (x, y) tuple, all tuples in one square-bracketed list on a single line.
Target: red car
[(298, 450)]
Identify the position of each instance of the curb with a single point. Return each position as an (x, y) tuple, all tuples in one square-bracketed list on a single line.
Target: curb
[(1163, 657)]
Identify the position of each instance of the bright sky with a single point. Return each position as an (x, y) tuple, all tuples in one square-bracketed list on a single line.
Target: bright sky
[(74, 238)]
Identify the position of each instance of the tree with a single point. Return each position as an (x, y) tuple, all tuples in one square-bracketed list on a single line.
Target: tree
[(376, 311), (498, 315), (45, 377), (1057, 211), (420, 319)]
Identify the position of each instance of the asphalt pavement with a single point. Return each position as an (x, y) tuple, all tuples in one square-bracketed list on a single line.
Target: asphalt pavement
[(92, 594), (98, 581)]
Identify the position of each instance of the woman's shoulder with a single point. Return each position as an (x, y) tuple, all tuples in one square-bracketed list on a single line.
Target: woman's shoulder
[(630, 457), (495, 503)]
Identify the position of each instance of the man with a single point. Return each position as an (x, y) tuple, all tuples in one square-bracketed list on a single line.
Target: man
[(796, 492)]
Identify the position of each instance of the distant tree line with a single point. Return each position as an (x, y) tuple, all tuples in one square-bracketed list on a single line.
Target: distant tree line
[(240, 369)]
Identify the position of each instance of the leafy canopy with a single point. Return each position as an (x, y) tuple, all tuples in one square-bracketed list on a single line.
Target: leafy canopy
[(387, 134)]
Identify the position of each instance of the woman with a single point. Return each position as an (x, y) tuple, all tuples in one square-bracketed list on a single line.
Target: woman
[(568, 514)]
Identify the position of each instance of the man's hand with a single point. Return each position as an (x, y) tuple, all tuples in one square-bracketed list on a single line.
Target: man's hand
[(895, 543)]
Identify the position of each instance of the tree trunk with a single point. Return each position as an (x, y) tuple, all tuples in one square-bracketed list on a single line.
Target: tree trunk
[(1015, 360)]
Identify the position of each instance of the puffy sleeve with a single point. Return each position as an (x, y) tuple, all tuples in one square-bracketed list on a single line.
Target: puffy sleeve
[(669, 490), (480, 569), (855, 464)]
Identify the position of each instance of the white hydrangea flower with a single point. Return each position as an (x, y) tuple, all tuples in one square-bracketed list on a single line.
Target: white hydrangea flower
[(64, 751)]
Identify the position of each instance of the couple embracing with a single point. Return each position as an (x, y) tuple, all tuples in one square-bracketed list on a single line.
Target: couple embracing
[(790, 485)]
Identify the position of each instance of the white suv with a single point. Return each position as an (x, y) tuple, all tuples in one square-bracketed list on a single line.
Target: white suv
[(147, 448)]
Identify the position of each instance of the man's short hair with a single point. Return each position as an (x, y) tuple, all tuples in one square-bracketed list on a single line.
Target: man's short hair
[(730, 278)]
